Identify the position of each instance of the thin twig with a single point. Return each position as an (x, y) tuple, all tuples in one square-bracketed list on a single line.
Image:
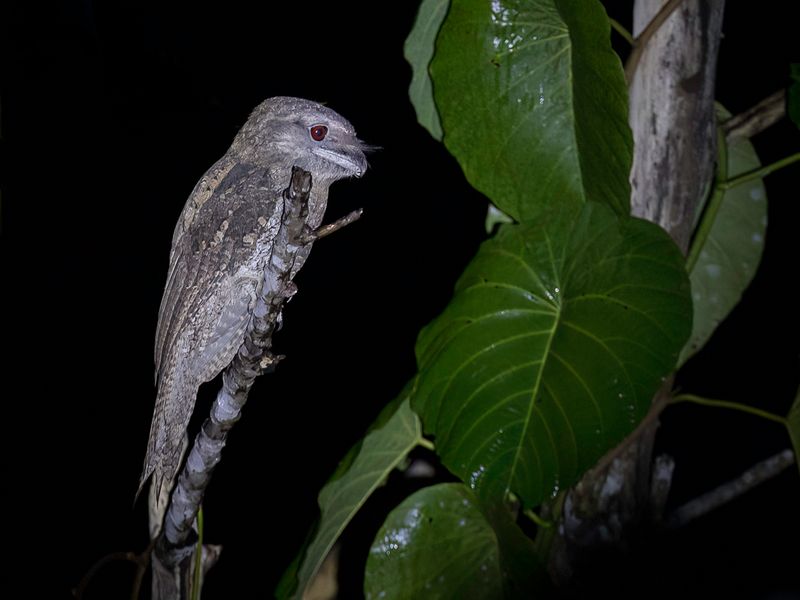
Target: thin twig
[(757, 118), (731, 490), (330, 228), (140, 560), (643, 38), (141, 570)]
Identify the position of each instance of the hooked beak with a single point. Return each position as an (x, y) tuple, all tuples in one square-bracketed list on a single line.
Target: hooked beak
[(351, 158)]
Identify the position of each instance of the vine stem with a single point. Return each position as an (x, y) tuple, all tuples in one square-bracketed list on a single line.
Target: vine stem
[(730, 405), (711, 210), (723, 185), (760, 172), (537, 519), (617, 26)]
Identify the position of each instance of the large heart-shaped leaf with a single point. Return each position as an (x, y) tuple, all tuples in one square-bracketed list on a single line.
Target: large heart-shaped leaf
[(435, 544), (364, 470), (551, 349), (732, 251), (533, 103), (418, 51), (439, 543)]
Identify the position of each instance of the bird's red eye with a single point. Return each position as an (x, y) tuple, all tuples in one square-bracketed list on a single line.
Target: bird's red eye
[(318, 132)]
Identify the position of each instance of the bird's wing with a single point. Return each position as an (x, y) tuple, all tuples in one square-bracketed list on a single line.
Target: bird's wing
[(180, 256), (215, 272)]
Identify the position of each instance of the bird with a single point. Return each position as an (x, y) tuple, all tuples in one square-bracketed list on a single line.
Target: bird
[(222, 242)]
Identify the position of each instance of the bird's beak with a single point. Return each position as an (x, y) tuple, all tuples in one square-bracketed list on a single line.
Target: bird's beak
[(351, 158)]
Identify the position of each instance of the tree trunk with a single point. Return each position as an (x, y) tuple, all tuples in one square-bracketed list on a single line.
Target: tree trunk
[(671, 80)]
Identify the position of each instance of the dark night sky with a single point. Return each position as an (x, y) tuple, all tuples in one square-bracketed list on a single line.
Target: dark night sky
[(112, 111)]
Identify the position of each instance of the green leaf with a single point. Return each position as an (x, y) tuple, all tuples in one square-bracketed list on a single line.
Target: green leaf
[(534, 104), (793, 96), (550, 351), (439, 544), (793, 425), (418, 51), (435, 544), (381, 451), (730, 256)]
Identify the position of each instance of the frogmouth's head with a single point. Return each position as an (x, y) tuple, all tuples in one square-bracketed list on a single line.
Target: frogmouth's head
[(285, 131)]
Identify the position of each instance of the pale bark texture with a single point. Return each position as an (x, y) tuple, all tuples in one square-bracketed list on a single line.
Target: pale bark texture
[(672, 114), (672, 117), (758, 118)]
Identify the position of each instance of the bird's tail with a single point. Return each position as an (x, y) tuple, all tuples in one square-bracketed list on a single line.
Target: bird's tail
[(166, 447)]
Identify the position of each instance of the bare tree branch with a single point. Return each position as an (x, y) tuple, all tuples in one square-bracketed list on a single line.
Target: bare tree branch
[(758, 118), (754, 476)]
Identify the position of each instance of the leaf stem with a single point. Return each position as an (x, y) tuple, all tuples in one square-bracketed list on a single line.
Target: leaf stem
[(198, 556), (616, 26), (712, 208), (730, 405), (760, 172), (537, 519), (722, 185), (426, 443)]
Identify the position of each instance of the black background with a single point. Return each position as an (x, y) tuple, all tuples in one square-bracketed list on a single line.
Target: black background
[(112, 111)]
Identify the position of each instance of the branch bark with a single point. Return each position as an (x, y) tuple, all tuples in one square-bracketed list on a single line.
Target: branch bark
[(758, 118), (754, 476), (672, 114)]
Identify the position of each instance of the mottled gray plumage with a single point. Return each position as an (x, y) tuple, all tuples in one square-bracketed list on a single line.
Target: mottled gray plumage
[(223, 239)]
